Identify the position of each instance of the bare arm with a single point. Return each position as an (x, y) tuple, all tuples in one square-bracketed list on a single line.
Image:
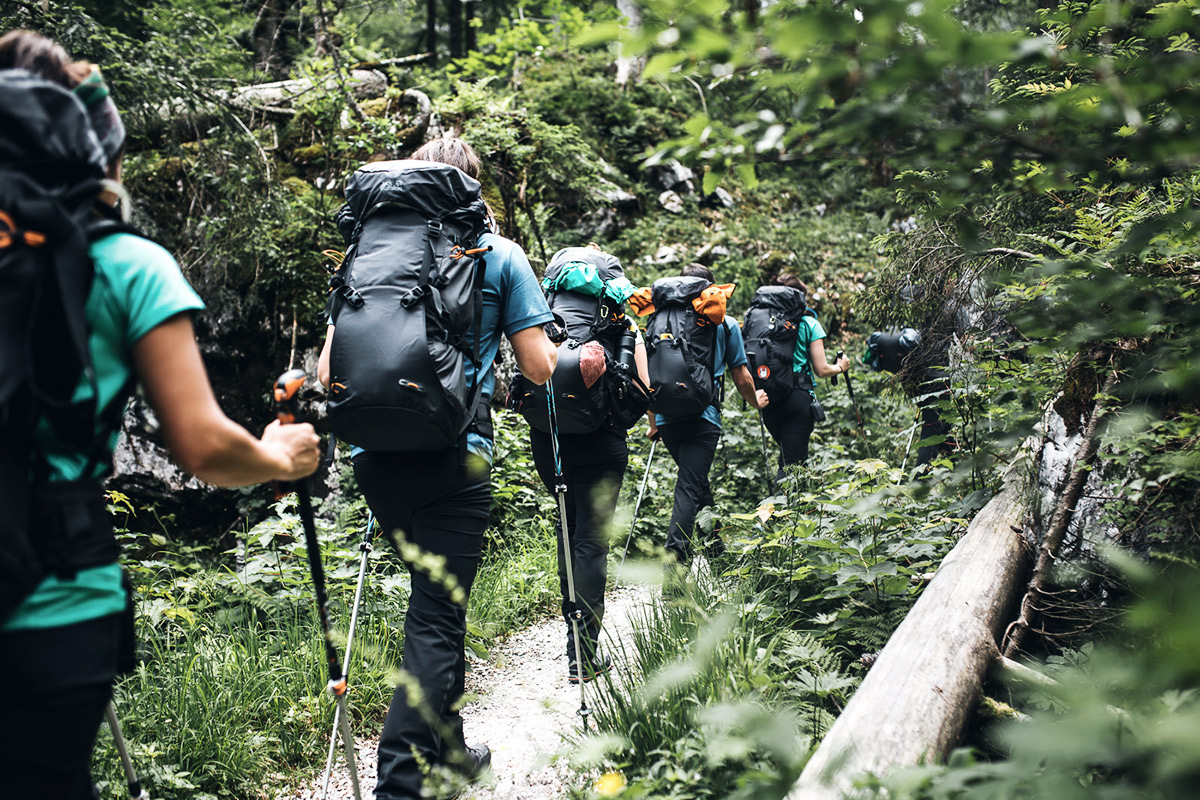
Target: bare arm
[(535, 354), (323, 361), (639, 361), (821, 367), (200, 437), (643, 373), (745, 386)]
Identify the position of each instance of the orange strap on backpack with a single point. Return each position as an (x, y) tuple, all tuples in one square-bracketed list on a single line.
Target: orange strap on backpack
[(712, 301)]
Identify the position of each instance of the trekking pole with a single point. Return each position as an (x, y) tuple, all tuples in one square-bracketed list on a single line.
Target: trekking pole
[(560, 490), (850, 390), (762, 432), (911, 436), (286, 388), (136, 792), (365, 548), (638, 503)]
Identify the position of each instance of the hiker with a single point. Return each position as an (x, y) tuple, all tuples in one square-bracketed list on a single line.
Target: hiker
[(587, 288), (794, 410), (899, 351), (690, 343), (438, 499), (67, 638)]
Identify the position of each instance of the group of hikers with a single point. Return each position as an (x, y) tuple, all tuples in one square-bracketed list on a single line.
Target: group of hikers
[(425, 290)]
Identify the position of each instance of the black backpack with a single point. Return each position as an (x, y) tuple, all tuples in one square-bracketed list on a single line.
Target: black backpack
[(770, 329), (407, 305), (886, 350), (680, 348), (590, 321), (50, 171)]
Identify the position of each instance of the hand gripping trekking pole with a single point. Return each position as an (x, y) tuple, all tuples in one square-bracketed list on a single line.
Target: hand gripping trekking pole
[(560, 491), (365, 548), (638, 503), (286, 389), (136, 792)]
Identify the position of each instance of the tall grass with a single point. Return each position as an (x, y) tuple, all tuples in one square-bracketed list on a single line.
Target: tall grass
[(229, 697)]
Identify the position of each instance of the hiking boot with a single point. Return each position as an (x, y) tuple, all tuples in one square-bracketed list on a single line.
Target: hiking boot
[(472, 762), (592, 667)]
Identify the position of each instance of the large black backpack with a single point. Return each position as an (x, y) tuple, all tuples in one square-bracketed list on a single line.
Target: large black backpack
[(680, 348), (770, 330), (887, 350), (590, 320), (50, 171), (406, 308)]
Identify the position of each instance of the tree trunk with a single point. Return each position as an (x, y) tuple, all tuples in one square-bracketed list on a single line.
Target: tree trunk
[(629, 67), (267, 38), (431, 30), (913, 704), (454, 13), (469, 7)]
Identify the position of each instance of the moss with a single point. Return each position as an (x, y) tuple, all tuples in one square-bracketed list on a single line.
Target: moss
[(297, 186), (376, 107), (994, 709), (306, 155)]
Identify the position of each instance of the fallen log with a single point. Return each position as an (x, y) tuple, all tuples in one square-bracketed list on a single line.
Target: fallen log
[(913, 703)]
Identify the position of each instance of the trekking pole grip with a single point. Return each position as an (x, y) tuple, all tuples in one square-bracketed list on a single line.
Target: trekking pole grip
[(838, 357), (286, 402)]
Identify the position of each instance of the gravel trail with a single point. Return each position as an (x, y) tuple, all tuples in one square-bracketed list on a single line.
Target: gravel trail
[(523, 705)]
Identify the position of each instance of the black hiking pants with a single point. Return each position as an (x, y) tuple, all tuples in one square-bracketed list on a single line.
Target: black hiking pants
[(692, 443), (790, 422), (593, 466), (58, 681), (443, 509)]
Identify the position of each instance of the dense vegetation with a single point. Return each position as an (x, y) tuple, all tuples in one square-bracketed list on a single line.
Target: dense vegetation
[(1019, 181)]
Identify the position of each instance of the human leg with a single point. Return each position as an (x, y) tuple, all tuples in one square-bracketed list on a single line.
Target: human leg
[(63, 679), (593, 467), (444, 512), (790, 423), (692, 444)]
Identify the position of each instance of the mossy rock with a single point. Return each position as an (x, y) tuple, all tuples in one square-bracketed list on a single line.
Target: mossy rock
[(297, 186), (307, 155), (376, 107)]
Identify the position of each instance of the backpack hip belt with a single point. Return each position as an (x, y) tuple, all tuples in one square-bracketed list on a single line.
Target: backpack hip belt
[(75, 528)]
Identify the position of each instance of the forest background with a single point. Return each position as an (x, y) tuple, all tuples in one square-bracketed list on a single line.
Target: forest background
[(1017, 179)]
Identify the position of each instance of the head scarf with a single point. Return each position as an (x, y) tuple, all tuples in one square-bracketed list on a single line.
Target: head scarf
[(102, 113)]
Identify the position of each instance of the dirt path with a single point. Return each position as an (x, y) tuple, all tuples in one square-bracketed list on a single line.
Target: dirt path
[(524, 705)]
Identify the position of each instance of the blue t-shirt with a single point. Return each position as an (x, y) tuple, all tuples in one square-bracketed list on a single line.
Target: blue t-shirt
[(138, 286), (512, 302), (729, 350)]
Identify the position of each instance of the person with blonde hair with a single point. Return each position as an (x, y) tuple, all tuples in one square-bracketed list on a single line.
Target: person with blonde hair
[(65, 639)]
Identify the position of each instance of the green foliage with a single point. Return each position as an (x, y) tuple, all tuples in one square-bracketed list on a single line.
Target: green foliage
[(1120, 720), (230, 691)]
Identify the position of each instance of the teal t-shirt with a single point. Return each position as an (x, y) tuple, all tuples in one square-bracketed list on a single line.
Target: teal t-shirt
[(729, 349), (810, 331), (137, 287)]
